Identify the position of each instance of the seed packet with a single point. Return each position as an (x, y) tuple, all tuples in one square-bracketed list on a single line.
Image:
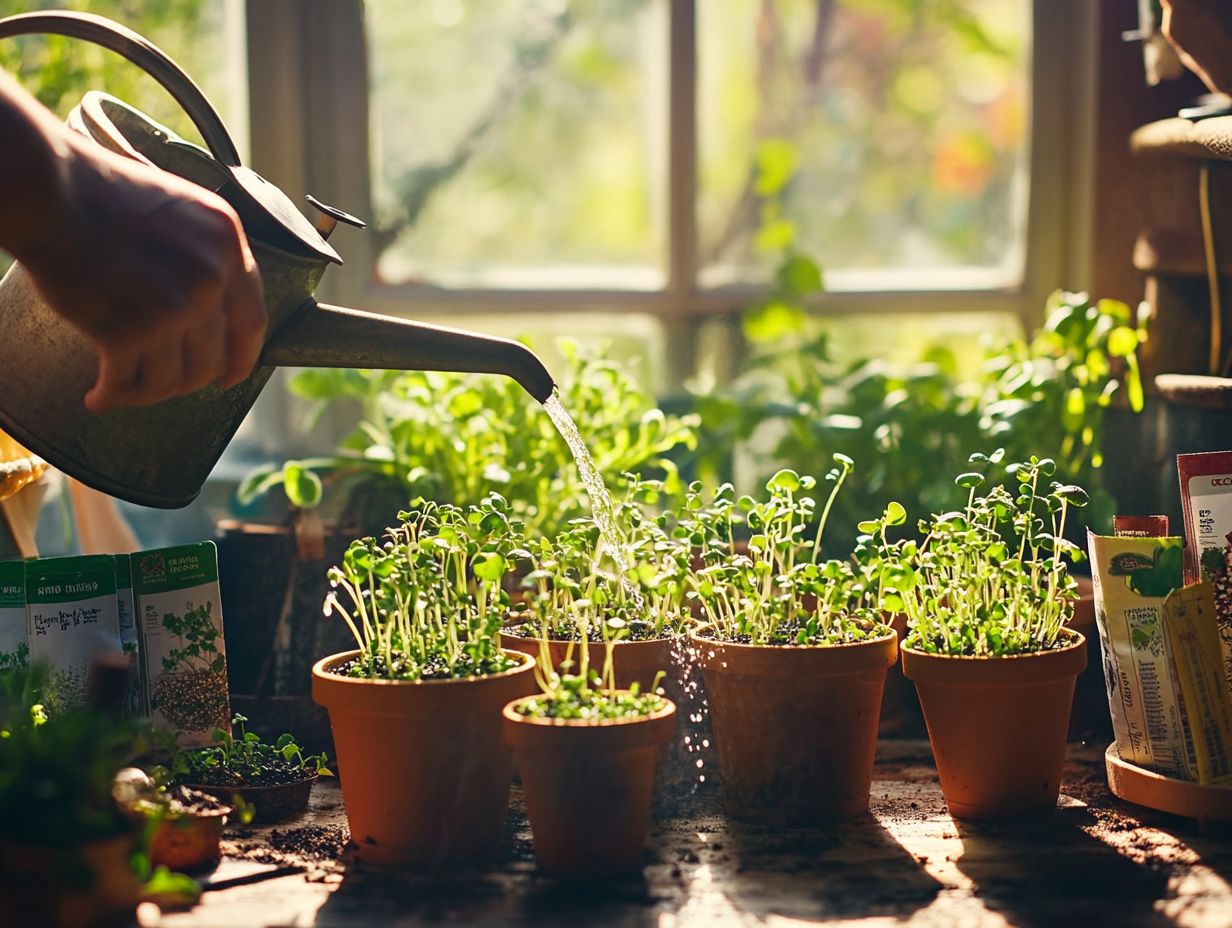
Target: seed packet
[(183, 657), (1206, 502), (1189, 619), (14, 646), (1140, 526), (1133, 576), (72, 617)]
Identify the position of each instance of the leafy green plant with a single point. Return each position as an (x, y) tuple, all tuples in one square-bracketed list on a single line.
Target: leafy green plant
[(573, 591), (241, 758), (588, 694), (198, 640), (191, 693), (990, 579), (429, 601), (57, 769), (456, 437), (777, 593), (912, 425)]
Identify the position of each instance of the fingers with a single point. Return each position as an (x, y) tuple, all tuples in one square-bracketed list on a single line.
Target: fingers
[(204, 358), (117, 380), (244, 313)]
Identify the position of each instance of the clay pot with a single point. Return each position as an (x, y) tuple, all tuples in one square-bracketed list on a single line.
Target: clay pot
[(795, 726), (190, 843), (424, 771), (997, 726), (86, 886), (632, 661), (273, 803), (588, 786)]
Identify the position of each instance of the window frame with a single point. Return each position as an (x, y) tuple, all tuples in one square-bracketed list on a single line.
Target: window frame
[(307, 63)]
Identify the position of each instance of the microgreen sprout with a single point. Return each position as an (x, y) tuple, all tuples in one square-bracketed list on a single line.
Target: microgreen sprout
[(990, 579), (777, 593), (240, 757), (428, 601)]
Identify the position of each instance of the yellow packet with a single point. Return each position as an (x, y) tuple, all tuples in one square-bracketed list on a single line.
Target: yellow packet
[(1193, 637)]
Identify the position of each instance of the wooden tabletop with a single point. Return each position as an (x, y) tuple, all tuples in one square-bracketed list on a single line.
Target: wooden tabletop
[(1094, 861)]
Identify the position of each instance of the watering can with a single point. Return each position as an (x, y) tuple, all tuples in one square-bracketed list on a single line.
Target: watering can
[(160, 455)]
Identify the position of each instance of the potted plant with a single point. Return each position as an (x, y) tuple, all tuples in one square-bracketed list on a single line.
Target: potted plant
[(572, 598), (793, 654), (415, 708), (185, 824), (587, 751), (67, 850), (274, 779), (987, 596)]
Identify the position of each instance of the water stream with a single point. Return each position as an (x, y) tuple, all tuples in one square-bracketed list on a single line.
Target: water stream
[(600, 500)]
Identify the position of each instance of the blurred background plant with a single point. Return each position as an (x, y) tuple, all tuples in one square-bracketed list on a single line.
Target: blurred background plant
[(455, 438)]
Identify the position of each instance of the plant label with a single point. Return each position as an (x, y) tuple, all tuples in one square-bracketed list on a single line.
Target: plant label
[(14, 645), (72, 617), (1133, 576), (183, 657)]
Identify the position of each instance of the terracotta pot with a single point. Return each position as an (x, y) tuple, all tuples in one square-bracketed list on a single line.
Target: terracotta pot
[(274, 803), (424, 771), (997, 726), (632, 661), (795, 726), (189, 843), (588, 787), (88, 886)]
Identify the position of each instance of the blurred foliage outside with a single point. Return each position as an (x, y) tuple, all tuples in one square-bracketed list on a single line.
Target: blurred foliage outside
[(525, 143)]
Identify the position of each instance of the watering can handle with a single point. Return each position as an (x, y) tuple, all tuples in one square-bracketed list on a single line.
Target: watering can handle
[(144, 54)]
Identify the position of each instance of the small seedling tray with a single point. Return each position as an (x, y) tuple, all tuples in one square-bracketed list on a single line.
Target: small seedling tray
[(1207, 804)]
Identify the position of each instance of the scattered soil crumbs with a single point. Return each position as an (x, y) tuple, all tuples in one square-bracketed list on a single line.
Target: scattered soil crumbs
[(317, 849)]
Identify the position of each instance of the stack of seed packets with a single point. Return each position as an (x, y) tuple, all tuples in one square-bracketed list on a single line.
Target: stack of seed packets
[(1164, 613), (161, 607)]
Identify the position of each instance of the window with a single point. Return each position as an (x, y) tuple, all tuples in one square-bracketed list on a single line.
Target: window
[(607, 155)]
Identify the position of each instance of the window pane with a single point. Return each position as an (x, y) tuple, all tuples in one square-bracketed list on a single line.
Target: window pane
[(516, 143), (205, 37), (901, 125)]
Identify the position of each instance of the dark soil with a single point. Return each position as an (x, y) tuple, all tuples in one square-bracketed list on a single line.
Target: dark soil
[(183, 801), (433, 670), (564, 630), (263, 772)]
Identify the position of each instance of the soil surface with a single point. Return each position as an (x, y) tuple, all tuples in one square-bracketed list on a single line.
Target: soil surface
[(1094, 861)]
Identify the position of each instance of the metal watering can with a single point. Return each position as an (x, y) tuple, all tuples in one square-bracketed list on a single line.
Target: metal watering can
[(160, 455)]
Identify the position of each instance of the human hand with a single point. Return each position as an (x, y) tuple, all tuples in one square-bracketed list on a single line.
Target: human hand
[(1201, 31), (156, 270)]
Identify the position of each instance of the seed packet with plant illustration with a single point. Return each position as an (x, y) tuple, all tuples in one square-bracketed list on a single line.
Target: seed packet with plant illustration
[(14, 645), (1133, 576), (72, 617), (183, 659)]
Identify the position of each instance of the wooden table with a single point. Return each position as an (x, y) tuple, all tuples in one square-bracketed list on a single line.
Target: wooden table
[(1094, 861)]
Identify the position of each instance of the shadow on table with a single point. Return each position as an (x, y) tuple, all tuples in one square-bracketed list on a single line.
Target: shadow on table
[(1049, 871), (848, 870)]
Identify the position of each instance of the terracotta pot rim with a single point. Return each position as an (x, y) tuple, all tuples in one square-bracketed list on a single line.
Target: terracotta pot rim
[(695, 636), (321, 671), (917, 654), (511, 714), (1034, 667)]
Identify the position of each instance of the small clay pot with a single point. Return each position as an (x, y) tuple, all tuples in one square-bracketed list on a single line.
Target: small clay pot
[(92, 885), (997, 725), (795, 726), (190, 842), (270, 803), (588, 786), (425, 773), (632, 661)]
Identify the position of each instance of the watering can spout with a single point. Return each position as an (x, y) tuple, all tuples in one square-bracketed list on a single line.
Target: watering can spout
[(331, 336)]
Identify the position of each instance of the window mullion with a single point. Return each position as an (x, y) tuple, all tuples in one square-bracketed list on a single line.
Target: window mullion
[(682, 153)]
